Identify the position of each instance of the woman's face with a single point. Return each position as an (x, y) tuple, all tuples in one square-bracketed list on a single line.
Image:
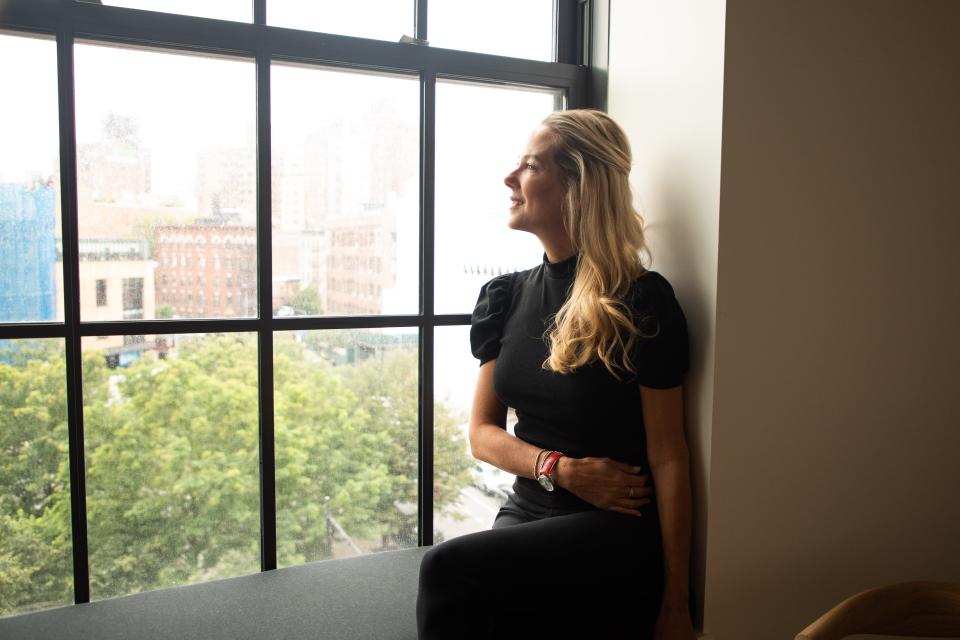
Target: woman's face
[(536, 188)]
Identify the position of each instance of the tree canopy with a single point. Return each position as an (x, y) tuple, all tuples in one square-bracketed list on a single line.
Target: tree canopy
[(172, 459)]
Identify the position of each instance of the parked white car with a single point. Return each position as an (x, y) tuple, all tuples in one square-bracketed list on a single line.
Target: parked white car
[(492, 481)]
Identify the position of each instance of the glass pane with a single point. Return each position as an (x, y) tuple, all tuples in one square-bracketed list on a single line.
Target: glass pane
[(237, 10), (171, 441), (166, 179), (502, 27), (345, 192), (346, 442), (468, 503), (481, 131), (30, 273), (36, 555), (376, 19)]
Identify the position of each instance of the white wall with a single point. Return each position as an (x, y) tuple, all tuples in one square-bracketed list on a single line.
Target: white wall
[(665, 88), (835, 435)]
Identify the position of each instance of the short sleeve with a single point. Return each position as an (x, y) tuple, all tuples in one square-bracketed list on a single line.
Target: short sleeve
[(489, 316), (661, 353)]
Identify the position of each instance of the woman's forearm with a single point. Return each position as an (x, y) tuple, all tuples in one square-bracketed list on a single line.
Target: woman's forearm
[(493, 444), (672, 484)]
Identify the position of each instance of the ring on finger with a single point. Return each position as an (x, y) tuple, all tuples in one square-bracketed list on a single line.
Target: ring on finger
[(631, 492)]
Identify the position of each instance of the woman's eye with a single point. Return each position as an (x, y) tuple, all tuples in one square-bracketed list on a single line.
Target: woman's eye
[(532, 166)]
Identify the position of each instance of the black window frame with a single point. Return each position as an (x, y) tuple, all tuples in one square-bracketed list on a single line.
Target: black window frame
[(70, 20)]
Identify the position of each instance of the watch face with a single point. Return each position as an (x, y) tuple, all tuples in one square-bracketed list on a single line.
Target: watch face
[(545, 482)]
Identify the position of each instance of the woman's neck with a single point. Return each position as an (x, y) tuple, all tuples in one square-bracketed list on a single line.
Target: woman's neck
[(557, 249)]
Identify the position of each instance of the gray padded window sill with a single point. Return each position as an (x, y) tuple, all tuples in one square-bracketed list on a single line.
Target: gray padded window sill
[(365, 598)]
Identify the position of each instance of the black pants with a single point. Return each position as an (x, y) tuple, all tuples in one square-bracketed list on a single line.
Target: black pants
[(543, 573)]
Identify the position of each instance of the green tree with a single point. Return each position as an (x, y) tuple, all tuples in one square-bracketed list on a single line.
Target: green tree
[(306, 301), (35, 551), (347, 442), (164, 312), (172, 469), (171, 450), (388, 389)]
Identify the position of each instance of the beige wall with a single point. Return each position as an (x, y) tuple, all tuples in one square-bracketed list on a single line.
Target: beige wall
[(834, 462), (665, 88), (836, 432)]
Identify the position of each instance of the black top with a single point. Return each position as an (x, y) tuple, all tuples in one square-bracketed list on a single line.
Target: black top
[(587, 412)]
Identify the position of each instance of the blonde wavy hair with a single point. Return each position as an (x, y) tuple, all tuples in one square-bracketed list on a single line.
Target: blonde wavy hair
[(594, 158)]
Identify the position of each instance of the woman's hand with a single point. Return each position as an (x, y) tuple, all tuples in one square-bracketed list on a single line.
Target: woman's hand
[(605, 483), (673, 623)]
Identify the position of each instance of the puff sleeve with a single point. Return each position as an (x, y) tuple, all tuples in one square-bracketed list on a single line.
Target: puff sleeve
[(489, 316), (661, 352)]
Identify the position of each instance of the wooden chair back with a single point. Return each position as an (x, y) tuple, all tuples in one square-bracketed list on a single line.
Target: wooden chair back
[(910, 609)]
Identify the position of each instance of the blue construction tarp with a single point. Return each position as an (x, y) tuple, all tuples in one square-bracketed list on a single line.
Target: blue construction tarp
[(28, 253)]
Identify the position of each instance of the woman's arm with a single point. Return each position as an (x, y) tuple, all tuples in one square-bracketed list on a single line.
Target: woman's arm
[(489, 439), (602, 482), (670, 464)]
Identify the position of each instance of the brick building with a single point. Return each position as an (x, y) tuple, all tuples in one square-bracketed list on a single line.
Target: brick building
[(207, 270)]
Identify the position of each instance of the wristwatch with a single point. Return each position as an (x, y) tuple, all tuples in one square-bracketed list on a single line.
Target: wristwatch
[(543, 477)]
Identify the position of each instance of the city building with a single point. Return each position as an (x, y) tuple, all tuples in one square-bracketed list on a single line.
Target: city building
[(207, 270), (116, 167), (116, 283), (227, 183), (361, 256)]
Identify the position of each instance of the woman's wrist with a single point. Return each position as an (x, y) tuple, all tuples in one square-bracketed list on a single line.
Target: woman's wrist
[(562, 471), (539, 462)]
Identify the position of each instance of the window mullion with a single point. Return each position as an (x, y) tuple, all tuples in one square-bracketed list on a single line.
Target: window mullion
[(420, 28), (428, 92), (268, 499), (565, 31), (71, 299)]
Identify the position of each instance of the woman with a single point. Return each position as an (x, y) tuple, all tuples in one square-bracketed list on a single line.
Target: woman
[(590, 349)]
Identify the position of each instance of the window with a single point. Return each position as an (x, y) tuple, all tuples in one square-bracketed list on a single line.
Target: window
[(291, 226), (29, 206), (101, 293), (380, 19), (133, 298), (471, 26)]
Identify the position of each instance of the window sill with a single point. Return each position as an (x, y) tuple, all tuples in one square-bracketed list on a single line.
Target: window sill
[(367, 597)]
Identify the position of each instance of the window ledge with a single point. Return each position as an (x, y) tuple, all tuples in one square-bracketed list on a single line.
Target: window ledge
[(367, 597)]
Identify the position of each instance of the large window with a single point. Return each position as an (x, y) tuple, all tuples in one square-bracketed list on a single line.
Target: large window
[(237, 262)]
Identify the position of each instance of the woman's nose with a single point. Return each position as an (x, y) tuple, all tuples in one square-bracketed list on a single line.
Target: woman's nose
[(511, 179)]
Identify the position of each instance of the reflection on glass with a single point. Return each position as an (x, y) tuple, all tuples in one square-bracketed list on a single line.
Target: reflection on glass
[(29, 181), (236, 10), (166, 180), (170, 427), (501, 27), (481, 132), (345, 192), (36, 556), (376, 19), (346, 443)]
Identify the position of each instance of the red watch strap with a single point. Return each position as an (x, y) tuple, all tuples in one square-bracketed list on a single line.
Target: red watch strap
[(550, 463)]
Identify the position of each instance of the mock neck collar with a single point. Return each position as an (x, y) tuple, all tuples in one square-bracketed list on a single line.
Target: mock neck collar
[(563, 269)]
